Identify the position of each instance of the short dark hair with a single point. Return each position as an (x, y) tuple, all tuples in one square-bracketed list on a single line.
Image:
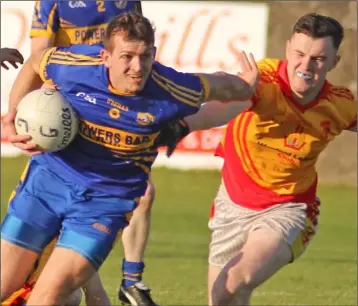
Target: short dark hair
[(318, 26), (134, 26)]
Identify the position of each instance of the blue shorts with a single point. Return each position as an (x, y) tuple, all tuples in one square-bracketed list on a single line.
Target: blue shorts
[(44, 206)]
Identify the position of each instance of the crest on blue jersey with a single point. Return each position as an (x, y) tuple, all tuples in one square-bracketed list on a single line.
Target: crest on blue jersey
[(145, 118)]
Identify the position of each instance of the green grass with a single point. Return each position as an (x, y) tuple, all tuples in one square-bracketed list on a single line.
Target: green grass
[(177, 252)]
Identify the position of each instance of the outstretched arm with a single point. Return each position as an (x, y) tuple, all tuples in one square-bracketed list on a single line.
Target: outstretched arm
[(215, 113), (227, 87), (210, 115)]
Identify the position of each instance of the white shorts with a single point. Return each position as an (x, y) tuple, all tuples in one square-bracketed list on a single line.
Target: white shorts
[(230, 225)]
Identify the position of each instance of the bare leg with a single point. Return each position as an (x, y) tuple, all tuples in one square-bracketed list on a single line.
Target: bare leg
[(64, 272), (264, 253), (213, 273), (16, 265), (135, 235)]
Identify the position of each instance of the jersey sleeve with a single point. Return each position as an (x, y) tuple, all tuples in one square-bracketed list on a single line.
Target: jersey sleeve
[(187, 90), (346, 105), (58, 63), (48, 71), (45, 19)]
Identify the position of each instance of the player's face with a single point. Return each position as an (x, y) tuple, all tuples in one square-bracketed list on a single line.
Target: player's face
[(309, 61), (129, 63)]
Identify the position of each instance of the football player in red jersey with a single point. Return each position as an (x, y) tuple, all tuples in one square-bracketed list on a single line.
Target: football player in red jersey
[(266, 209)]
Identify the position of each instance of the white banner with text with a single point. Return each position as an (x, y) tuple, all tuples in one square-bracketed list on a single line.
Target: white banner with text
[(190, 36)]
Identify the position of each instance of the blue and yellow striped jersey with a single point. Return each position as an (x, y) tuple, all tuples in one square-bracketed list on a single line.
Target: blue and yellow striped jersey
[(115, 147), (76, 22)]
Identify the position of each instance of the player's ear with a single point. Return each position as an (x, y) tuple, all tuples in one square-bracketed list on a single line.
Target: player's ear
[(336, 61), (154, 52), (106, 58)]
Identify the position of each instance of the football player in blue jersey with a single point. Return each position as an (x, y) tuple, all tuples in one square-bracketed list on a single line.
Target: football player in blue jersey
[(64, 23), (87, 190), (84, 22)]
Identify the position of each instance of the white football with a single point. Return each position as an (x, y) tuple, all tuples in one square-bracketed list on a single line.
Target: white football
[(48, 118)]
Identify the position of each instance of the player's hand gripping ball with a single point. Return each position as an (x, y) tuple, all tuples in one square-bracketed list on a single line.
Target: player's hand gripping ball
[(48, 118)]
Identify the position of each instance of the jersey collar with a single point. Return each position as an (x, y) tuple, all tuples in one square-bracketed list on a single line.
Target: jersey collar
[(286, 89)]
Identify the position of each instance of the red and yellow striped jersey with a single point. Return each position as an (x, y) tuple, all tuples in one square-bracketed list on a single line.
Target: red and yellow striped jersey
[(271, 150)]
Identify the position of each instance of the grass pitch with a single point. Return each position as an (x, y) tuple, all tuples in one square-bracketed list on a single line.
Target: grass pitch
[(176, 256)]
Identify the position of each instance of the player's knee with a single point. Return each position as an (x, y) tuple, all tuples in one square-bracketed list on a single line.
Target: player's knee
[(146, 201), (45, 297), (63, 289), (242, 282), (235, 286), (59, 293), (150, 192), (245, 284), (225, 297)]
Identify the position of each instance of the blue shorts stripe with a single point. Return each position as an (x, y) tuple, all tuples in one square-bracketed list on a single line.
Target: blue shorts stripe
[(22, 234), (47, 205), (90, 247)]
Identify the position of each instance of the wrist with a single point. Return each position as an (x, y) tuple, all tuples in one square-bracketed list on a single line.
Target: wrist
[(184, 127), (9, 117)]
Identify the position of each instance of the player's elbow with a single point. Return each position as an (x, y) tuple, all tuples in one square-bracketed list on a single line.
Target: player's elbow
[(39, 44), (36, 59), (33, 63)]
